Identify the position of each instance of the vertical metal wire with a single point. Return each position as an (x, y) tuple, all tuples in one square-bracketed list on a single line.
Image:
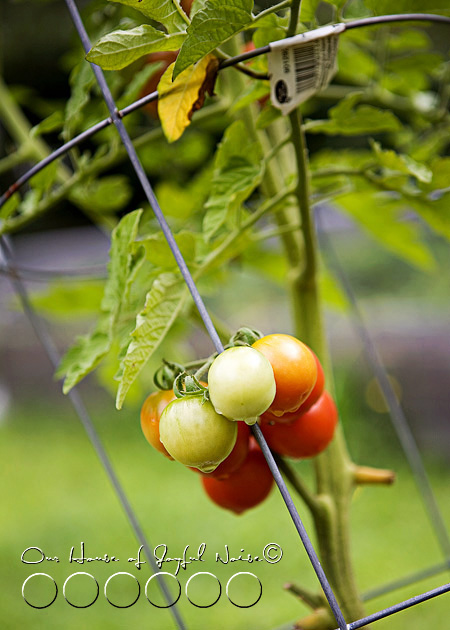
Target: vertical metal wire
[(396, 413), (52, 353), (143, 179), (200, 305), (400, 422)]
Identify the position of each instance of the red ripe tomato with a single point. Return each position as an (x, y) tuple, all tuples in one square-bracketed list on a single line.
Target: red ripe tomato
[(313, 397), (308, 435), (237, 456), (151, 412), (245, 488), (294, 368)]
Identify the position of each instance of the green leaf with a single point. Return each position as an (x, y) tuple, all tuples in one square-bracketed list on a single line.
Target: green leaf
[(231, 187), (84, 356), (308, 10), (182, 201), (82, 79), (196, 6), (52, 123), (158, 252), (267, 116), (255, 91), (382, 216), (213, 25), (44, 180), (347, 120), (235, 177), (121, 260), (165, 11), (9, 207), (355, 64), (162, 306), (30, 201), (108, 194), (120, 48), (397, 163), (65, 300), (407, 40), (90, 349), (410, 73), (270, 28), (440, 169), (435, 212)]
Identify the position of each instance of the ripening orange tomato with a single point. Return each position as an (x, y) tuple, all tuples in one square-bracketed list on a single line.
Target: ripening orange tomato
[(294, 368), (151, 412), (313, 397)]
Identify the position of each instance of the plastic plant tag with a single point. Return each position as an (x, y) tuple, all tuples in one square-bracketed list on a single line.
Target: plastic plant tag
[(302, 65)]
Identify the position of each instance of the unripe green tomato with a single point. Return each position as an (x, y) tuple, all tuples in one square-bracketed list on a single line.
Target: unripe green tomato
[(195, 435), (241, 383)]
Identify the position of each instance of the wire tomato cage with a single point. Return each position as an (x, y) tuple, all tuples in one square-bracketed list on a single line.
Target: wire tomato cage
[(399, 420)]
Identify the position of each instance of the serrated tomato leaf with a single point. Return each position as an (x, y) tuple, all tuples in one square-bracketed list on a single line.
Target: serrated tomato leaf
[(349, 119), (238, 171), (400, 163), (162, 306), (120, 48), (89, 349), (215, 23), (383, 216), (167, 12)]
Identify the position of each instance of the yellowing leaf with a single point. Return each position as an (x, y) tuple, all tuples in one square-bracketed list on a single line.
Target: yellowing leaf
[(178, 100)]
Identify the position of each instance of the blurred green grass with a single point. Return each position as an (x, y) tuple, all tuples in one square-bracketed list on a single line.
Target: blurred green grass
[(55, 495)]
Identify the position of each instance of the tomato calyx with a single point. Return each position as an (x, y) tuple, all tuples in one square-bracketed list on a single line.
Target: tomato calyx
[(166, 374), (188, 385), (244, 337)]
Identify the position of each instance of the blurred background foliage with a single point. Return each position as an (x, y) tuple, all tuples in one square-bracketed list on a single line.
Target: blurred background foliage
[(54, 492)]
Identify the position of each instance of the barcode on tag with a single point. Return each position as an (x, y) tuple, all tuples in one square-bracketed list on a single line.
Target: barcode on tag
[(302, 65), (305, 64)]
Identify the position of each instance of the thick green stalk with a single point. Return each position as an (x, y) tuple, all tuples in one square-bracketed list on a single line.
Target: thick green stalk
[(334, 478), (293, 18)]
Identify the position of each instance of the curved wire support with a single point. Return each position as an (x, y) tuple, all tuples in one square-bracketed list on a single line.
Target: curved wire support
[(233, 61)]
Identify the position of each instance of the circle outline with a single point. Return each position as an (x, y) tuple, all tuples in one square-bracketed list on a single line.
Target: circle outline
[(244, 573), (122, 573), (32, 605), (81, 573), (203, 573), (151, 578)]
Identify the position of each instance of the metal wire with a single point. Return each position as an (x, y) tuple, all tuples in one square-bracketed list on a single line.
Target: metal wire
[(407, 440), (396, 413), (52, 353), (406, 581), (386, 612), (95, 272), (154, 95), (64, 148), (201, 307)]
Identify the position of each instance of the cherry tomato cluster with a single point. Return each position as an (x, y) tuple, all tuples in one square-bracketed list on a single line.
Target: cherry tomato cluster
[(277, 381)]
